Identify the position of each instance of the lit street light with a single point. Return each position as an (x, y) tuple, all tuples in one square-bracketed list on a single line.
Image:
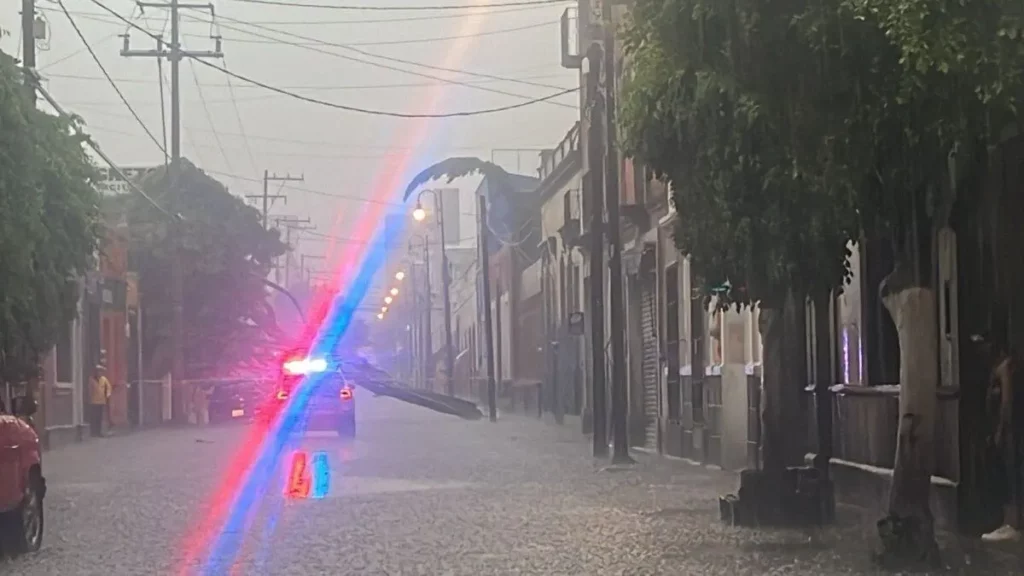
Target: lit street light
[(383, 309), (380, 316), (419, 214), (388, 299), (400, 276), (394, 291)]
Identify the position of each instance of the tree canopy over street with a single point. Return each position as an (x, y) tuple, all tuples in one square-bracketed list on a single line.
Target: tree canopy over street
[(788, 129), (48, 225), (226, 255)]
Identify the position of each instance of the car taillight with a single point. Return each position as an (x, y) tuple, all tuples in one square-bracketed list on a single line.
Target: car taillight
[(346, 393), (282, 395)]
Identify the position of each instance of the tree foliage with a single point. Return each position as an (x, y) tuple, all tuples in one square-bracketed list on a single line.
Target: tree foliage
[(226, 255), (788, 128), (48, 225)]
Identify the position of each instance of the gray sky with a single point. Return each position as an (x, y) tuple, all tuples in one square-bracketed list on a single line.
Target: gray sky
[(340, 153)]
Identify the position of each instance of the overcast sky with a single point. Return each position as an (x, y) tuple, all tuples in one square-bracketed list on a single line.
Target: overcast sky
[(341, 153)]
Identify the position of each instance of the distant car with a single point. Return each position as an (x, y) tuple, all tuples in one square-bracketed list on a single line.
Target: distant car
[(328, 395), (235, 400), (22, 486)]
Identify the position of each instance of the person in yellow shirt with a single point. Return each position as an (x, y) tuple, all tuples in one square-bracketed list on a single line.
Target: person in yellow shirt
[(99, 395)]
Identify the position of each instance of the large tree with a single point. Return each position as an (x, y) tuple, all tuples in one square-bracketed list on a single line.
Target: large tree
[(226, 255), (788, 128), (48, 225)]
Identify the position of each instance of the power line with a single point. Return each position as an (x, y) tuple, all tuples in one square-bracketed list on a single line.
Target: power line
[(241, 125), (312, 88), (478, 10), (402, 8), (345, 107), (209, 118), (408, 40), (99, 152), (113, 84), (320, 50), (350, 48), (319, 143), (534, 26), (71, 55)]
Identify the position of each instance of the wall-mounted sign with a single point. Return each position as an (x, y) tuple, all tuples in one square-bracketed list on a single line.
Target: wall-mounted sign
[(110, 184)]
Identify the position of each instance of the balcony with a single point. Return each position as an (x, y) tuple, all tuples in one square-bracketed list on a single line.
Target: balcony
[(553, 162)]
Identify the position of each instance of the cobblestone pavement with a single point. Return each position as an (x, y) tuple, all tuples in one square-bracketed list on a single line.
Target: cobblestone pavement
[(418, 493)]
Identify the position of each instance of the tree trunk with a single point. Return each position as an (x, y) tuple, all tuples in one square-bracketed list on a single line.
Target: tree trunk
[(908, 532), (783, 378)]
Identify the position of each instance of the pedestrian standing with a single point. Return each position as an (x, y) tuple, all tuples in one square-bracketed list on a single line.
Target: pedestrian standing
[(1006, 443), (99, 396)]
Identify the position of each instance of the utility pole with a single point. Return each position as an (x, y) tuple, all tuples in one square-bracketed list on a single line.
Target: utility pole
[(620, 398), (485, 271), (174, 54), (28, 41), (290, 223), (267, 197), (595, 178), (302, 263)]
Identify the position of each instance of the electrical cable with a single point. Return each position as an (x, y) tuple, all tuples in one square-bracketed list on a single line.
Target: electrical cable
[(71, 55), (113, 84), (312, 88), (320, 50), (209, 118), (402, 8), (366, 53), (406, 41), (347, 108), (479, 10), (312, 44), (241, 125), (99, 151)]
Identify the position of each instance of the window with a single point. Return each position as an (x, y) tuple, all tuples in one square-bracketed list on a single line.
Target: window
[(672, 344)]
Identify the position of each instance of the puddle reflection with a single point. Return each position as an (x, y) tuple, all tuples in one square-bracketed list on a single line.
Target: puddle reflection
[(309, 476)]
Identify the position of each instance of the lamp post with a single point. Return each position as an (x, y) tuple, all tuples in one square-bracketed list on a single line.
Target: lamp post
[(426, 334), (419, 214)]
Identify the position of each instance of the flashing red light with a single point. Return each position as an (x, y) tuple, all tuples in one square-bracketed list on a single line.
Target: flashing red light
[(346, 393)]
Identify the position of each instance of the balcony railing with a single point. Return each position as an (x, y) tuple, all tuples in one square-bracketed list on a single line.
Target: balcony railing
[(550, 160)]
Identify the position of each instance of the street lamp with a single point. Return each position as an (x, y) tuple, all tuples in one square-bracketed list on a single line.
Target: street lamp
[(394, 291), (388, 299), (400, 276), (383, 309), (380, 316), (419, 215)]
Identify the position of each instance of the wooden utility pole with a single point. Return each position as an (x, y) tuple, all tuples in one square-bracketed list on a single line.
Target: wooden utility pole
[(268, 198), (290, 223), (595, 182), (620, 397), (485, 272), (173, 53), (28, 43)]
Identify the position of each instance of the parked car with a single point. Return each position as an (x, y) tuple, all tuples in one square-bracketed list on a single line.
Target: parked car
[(235, 400), (22, 485)]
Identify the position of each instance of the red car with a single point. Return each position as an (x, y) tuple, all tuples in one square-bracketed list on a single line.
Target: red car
[(22, 486)]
